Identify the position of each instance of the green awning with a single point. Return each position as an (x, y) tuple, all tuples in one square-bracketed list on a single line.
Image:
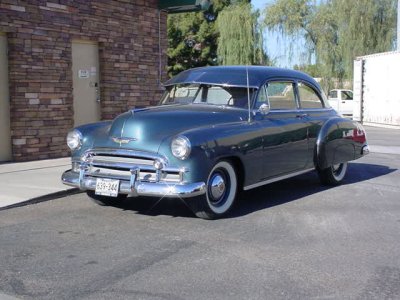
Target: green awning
[(177, 6)]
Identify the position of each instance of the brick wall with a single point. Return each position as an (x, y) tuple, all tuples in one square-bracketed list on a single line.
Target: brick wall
[(39, 40)]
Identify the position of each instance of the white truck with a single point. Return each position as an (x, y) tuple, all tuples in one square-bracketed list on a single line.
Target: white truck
[(341, 101), (376, 89)]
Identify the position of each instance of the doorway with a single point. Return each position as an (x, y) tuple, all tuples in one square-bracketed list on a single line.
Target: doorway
[(5, 133), (85, 82)]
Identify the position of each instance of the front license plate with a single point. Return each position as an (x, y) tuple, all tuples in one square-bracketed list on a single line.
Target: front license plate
[(107, 187)]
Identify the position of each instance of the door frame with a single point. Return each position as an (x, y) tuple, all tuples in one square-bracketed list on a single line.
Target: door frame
[(6, 151)]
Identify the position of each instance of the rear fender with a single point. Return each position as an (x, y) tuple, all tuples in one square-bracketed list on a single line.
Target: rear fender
[(339, 140)]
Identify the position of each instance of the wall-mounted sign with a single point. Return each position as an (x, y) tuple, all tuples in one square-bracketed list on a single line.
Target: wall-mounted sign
[(93, 71), (83, 73)]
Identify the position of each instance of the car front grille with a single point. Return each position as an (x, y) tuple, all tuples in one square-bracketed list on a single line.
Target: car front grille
[(120, 163)]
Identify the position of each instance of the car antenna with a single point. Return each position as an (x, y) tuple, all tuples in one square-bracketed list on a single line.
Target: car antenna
[(248, 92)]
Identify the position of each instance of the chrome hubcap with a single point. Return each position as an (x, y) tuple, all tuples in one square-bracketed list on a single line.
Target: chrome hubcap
[(218, 187)]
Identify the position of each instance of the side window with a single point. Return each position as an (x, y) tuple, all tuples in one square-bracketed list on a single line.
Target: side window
[(308, 97), (333, 94), (347, 95), (281, 95)]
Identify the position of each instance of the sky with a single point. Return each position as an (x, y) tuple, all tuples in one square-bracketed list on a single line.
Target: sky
[(275, 46)]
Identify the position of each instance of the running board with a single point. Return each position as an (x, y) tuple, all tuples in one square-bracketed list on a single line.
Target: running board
[(252, 186)]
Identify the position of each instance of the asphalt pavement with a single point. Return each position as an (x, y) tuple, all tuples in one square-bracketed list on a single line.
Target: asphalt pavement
[(293, 239)]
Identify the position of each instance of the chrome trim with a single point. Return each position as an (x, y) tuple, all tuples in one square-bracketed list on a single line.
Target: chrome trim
[(120, 159), (124, 152), (155, 189), (132, 180), (252, 186)]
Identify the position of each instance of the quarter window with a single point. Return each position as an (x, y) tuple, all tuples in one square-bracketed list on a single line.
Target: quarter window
[(261, 97), (281, 95), (308, 97)]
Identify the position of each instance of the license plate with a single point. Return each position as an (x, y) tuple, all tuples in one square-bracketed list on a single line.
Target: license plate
[(107, 187)]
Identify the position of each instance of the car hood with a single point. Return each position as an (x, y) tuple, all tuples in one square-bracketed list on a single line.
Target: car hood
[(145, 129)]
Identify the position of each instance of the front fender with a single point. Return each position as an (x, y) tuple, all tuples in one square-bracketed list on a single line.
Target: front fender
[(339, 140), (89, 134), (211, 144)]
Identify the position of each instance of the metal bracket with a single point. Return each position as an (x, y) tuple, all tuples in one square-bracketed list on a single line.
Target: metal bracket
[(82, 169), (134, 175)]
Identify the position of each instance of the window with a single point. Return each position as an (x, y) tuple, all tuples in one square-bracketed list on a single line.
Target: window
[(281, 95), (333, 94), (261, 97), (347, 95), (308, 97), (207, 94)]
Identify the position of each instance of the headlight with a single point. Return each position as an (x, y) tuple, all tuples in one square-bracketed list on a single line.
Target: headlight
[(180, 147), (74, 139)]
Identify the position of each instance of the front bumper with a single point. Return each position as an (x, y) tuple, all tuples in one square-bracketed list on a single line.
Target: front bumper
[(139, 188)]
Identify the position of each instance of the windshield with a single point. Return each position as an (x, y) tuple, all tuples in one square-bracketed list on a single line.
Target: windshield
[(207, 94)]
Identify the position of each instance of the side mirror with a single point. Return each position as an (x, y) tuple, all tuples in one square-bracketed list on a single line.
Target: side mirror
[(264, 109)]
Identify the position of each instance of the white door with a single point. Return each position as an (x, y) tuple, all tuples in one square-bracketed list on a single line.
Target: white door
[(5, 134), (333, 99), (346, 102), (85, 81)]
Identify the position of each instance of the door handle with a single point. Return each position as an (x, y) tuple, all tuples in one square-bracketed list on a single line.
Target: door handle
[(302, 116)]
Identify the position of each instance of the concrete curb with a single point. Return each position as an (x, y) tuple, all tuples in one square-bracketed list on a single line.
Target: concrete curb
[(44, 198)]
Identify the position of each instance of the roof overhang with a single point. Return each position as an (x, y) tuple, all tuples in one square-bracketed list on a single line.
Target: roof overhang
[(179, 6)]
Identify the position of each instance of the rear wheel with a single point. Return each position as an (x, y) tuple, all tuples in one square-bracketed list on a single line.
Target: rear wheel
[(104, 200), (221, 192), (333, 175)]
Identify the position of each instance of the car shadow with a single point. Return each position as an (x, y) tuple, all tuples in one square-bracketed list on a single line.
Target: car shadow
[(259, 198)]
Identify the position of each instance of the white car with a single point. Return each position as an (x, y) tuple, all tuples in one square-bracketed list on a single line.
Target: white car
[(341, 101)]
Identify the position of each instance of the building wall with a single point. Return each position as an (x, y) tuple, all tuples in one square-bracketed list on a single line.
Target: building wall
[(39, 35)]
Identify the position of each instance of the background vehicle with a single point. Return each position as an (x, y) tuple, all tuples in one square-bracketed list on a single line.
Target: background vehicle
[(376, 97), (217, 130), (342, 101)]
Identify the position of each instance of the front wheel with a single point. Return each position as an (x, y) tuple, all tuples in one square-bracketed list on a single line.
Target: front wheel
[(221, 192), (333, 175)]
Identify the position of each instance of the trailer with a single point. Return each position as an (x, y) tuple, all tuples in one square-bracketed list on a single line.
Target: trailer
[(376, 89)]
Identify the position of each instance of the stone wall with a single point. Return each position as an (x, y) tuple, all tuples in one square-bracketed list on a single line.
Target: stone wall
[(39, 39)]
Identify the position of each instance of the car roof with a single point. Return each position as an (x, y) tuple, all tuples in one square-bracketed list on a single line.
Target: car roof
[(237, 76)]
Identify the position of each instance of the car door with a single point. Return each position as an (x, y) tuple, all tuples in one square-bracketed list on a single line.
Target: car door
[(284, 130), (312, 106), (346, 102)]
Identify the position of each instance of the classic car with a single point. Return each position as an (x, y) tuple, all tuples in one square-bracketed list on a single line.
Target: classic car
[(215, 132)]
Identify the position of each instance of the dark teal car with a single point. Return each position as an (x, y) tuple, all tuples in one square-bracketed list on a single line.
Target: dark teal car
[(217, 130)]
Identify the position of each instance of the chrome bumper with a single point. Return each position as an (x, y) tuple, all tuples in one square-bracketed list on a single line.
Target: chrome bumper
[(139, 188)]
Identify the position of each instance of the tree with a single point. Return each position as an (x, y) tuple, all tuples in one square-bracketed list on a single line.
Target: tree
[(240, 38), (192, 38), (336, 31)]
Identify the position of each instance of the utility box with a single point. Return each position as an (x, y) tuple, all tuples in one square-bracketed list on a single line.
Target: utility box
[(178, 6), (376, 89)]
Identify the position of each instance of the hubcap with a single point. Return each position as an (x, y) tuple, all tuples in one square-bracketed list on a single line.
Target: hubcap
[(217, 187)]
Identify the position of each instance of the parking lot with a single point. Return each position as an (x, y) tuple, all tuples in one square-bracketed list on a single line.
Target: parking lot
[(294, 239)]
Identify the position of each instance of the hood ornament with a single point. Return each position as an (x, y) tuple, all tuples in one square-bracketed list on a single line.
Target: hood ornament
[(123, 140)]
